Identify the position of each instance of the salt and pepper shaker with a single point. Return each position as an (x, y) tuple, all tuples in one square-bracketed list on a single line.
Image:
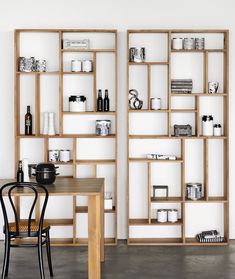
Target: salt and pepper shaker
[(45, 123), (51, 128)]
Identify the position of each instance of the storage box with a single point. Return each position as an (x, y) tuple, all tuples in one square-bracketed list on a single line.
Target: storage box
[(108, 203)]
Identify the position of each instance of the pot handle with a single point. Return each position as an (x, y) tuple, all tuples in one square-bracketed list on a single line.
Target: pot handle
[(57, 173)]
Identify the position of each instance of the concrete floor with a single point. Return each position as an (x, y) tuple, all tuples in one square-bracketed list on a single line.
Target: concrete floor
[(125, 262)]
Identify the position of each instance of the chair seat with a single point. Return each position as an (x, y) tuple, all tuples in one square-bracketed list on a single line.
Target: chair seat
[(23, 226)]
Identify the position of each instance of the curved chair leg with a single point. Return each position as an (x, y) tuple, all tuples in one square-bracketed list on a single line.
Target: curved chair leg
[(40, 257), (48, 245), (8, 256), (6, 253)]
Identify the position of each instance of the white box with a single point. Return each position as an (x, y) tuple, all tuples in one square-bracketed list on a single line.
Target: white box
[(108, 203)]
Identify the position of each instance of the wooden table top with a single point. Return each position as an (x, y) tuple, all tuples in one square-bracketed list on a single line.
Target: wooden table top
[(66, 186)]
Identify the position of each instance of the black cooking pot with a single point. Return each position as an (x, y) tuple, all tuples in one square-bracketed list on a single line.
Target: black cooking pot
[(45, 173)]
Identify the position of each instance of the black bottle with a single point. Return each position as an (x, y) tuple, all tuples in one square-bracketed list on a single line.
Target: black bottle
[(100, 103), (106, 100), (20, 173), (28, 122)]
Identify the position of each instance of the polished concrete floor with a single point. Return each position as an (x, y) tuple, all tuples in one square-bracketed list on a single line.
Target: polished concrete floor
[(125, 262)]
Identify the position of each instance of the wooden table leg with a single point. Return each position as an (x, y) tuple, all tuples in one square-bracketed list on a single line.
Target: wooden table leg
[(102, 226), (94, 237)]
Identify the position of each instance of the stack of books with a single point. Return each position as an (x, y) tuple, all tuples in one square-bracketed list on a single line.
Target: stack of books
[(209, 236), (181, 86)]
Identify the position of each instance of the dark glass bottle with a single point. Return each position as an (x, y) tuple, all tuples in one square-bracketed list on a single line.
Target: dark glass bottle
[(20, 173), (100, 105), (28, 122), (106, 100)]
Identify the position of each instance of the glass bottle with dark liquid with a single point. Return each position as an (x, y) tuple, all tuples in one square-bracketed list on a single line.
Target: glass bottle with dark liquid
[(106, 100), (20, 173), (100, 105), (28, 122)]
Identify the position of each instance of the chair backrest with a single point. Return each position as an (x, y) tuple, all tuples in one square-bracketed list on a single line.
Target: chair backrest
[(21, 188)]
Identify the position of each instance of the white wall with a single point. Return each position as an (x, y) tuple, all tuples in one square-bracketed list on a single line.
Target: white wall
[(121, 15)]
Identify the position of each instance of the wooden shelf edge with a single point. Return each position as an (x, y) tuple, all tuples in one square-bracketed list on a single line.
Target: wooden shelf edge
[(154, 222), (84, 209)]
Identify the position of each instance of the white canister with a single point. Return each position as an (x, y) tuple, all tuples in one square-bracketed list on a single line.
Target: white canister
[(77, 103), (172, 215), (87, 65), (76, 66), (162, 215), (207, 125), (54, 155), (217, 130), (177, 43), (64, 155), (155, 103)]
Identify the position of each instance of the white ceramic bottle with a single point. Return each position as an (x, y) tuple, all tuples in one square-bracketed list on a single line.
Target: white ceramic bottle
[(45, 123), (25, 168)]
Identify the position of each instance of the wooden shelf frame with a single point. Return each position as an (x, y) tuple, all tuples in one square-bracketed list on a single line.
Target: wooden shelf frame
[(74, 241), (182, 201)]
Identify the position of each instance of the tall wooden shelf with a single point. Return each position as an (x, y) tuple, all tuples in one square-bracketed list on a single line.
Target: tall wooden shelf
[(182, 202), (60, 73)]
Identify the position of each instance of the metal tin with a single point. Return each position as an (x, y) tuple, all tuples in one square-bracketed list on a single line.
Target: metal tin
[(76, 66), (103, 127), (87, 66), (137, 54), (40, 65), (155, 103), (27, 64), (64, 155), (172, 215), (54, 155), (194, 191), (177, 43), (77, 103), (162, 215), (200, 43), (189, 43), (182, 130)]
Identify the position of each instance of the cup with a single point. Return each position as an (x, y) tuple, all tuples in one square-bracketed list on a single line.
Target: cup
[(213, 86)]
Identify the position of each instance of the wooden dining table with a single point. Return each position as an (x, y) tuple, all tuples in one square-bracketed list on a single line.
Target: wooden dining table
[(93, 188)]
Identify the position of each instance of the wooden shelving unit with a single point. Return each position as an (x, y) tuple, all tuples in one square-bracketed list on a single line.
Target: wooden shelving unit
[(138, 227), (61, 73)]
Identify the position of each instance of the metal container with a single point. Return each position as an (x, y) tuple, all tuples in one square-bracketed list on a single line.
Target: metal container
[(189, 43), (77, 103), (87, 66), (54, 155), (177, 43), (182, 130), (103, 127), (137, 54), (207, 125), (65, 155), (76, 66), (155, 103), (41, 65), (27, 64), (45, 173), (200, 43), (172, 215), (194, 191), (162, 215)]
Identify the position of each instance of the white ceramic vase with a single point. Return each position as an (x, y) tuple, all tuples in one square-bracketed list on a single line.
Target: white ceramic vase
[(51, 127)]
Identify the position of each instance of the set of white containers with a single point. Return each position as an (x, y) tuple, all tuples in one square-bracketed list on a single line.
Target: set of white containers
[(170, 215), (208, 127), (81, 66), (49, 123)]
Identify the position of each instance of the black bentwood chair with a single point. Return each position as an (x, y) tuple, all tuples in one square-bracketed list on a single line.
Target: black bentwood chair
[(25, 228)]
